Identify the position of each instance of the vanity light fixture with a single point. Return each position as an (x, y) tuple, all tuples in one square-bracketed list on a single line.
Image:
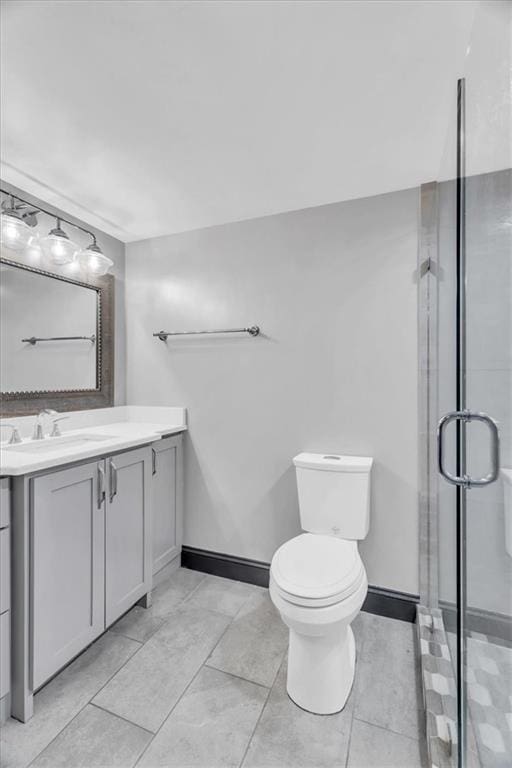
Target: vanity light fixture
[(57, 246), (15, 233), (93, 261), (18, 220)]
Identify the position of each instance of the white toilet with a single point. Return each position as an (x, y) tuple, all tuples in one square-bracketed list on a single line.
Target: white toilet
[(318, 581)]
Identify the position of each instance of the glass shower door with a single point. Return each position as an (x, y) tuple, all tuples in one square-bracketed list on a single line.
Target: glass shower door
[(488, 375), (475, 395)]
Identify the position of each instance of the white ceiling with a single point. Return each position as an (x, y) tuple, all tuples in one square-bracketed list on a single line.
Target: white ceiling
[(146, 118)]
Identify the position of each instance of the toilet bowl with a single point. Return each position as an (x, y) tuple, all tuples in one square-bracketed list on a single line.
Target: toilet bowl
[(318, 584), (318, 581)]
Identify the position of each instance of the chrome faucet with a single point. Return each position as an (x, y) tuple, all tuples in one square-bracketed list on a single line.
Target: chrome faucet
[(38, 426), (56, 429), (15, 435)]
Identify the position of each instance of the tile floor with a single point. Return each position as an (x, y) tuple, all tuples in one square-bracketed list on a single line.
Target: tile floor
[(489, 677), (198, 680)]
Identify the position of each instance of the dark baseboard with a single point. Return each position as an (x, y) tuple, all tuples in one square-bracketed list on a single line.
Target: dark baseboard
[(383, 602), (228, 566), (394, 605)]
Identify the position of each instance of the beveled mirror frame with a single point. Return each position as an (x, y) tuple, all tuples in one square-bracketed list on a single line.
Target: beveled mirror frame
[(27, 403)]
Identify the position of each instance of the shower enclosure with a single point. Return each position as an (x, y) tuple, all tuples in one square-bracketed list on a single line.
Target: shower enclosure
[(465, 325)]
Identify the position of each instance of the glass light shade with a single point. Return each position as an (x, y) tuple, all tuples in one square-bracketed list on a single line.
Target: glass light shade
[(33, 252), (15, 234), (93, 261), (58, 248)]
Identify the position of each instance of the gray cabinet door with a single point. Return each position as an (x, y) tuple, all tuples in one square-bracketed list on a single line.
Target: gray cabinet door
[(127, 531), (166, 502), (67, 577), (5, 654)]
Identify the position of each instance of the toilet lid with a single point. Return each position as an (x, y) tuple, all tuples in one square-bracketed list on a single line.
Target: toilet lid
[(315, 566)]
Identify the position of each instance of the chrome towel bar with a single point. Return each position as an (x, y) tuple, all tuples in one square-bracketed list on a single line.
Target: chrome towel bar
[(34, 339), (253, 330)]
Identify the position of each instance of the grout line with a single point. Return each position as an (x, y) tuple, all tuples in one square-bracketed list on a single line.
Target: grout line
[(120, 717), (239, 677), (389, 730), (89, 701), (129, 637), (184, 690), (259, 718), (131, 656), (56, 736)]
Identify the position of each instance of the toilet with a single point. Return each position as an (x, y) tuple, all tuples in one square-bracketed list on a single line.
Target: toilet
[(318, 581)]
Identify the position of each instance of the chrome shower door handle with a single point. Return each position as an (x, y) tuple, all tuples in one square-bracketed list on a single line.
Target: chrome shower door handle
[(466, 481), (113, 480)]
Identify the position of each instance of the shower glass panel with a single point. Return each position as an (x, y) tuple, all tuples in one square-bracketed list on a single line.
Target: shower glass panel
[(474, 373)]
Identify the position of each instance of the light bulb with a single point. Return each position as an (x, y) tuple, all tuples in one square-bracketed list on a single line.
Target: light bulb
[(33, 251), (15, 234), (58, 248), (72, 267)]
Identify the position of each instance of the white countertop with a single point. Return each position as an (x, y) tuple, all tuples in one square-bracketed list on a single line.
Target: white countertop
[(126, 429)]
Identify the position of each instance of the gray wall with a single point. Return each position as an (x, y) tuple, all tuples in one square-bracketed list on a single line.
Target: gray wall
[(335, 369), (112, 248)]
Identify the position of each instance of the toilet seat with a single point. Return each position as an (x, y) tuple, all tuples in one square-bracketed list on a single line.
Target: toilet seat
[(316, 570)]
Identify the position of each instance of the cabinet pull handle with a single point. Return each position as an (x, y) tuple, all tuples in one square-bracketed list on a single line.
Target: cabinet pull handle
[(101, 485), (153, 461), (113, 480)]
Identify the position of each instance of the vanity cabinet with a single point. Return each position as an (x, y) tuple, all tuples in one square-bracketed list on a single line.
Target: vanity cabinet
[(83, 541), (166, 501)]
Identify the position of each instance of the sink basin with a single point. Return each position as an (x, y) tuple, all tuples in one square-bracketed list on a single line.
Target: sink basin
[(55, 443)]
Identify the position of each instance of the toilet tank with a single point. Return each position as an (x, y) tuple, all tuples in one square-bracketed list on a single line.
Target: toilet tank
[(334, 494)]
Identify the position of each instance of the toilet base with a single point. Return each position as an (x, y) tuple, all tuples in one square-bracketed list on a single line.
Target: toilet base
[(321, 670)]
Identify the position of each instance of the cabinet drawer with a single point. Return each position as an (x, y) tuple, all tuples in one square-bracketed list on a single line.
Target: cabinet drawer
[(5, 570), (5, 501), (5, 654)]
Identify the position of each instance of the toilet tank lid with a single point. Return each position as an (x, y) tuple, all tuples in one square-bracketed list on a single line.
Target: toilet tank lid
[(333, 462)]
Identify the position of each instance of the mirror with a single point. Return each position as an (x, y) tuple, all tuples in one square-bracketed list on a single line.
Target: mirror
[(56, 340), (48, 332)]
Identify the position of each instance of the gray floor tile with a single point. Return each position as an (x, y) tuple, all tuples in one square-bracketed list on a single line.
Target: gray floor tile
[(138, 624), (170, 593), (222, 595), (210, 726), (59, 701), (388, 688), (95, 739), (374, 747), (379, 631), (255, 643), (141, 623), (289, 737), (145, 691)]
